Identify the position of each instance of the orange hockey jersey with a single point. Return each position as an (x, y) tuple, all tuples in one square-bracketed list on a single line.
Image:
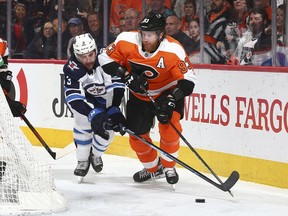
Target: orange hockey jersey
[(162, 68), (3, 48)]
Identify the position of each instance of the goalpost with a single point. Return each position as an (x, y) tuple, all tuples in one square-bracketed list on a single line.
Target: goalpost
[(26, 182)]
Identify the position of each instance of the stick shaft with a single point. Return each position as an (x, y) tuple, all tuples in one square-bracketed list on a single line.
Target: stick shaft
[(188, 144), (230, 182), (45, 145)]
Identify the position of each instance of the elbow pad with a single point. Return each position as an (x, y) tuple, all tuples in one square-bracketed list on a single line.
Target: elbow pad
[(183, 88), (120, 71), (114, 69)]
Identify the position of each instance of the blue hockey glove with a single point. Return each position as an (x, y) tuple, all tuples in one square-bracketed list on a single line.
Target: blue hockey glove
[(136, 83), (98, 118), (116, 120)]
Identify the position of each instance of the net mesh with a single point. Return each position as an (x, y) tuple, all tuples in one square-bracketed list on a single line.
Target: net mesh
[(26, 182)]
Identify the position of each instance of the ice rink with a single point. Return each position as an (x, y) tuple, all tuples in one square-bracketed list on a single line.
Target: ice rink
[(113, 192)]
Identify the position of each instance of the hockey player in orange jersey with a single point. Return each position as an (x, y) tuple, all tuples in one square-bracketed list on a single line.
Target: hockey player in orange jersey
[(16, 107), (157, 63)]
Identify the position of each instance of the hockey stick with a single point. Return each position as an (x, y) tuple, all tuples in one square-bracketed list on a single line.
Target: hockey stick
[(229, 183), (54, 155), (187, 143)]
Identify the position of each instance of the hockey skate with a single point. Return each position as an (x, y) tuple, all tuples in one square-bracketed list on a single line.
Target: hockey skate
[(143, 175), (81, 170), (171, 176), (96, 162)]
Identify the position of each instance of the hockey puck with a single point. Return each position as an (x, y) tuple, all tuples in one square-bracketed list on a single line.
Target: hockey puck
[(200, 200)]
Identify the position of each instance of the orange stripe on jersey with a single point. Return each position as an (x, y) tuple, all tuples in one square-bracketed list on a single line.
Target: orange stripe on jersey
[(162, 68), (3, 47)]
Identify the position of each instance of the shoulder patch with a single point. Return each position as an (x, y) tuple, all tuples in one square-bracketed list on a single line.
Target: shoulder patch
[(72, 65)]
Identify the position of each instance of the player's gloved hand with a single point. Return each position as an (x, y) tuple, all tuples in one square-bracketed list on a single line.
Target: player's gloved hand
[(5, 80), (166, 106), (116, 120), (136, 82), (98, 118), (16, 107)]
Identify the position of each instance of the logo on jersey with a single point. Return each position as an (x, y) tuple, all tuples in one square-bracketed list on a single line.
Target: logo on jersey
[(144, 70), (110, 49), (95, 90), (72, 65)]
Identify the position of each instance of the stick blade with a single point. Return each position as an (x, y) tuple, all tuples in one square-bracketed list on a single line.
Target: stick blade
[(68, 149), (231, 181)]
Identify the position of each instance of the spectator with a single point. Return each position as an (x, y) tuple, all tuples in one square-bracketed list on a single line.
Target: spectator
[(96, 30), (75, 27), (122, 26), (190, 13), (22, 30), (139, 6), (256, 43), (281, 58), (173, 29), (280, 19), (215, 22), (241, 12), (44, 44), (168, 3), (263, 4), (194, 33), (70, 8), (117, 10), (232, 37), (179, 8), (132, 19), (54, 9), (158, 7), (65, 36)]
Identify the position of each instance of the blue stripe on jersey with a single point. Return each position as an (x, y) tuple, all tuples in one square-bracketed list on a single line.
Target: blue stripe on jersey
[(83, 142), (80, 132), (74, 97), (116, 85), (100, 100), (99, 150), (98, 143)]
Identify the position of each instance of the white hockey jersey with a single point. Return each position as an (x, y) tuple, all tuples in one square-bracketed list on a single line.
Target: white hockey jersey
[(85, 90)]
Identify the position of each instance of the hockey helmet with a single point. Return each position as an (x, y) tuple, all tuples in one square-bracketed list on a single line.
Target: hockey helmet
[(83, 44), (153, 22)]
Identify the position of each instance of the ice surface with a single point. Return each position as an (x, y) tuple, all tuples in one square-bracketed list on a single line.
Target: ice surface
[(113, 192)]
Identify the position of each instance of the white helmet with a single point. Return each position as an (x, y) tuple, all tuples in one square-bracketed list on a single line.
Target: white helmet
[(83, 44)]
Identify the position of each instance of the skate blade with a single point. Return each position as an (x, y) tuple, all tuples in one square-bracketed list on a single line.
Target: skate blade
[(80, 179), (173, 187)]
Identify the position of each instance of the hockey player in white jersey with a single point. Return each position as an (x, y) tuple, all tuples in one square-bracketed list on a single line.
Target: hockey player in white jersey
[(94, 98)]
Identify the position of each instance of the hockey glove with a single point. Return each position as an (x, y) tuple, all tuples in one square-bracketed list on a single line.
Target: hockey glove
[(16, 107), (5, 80), (136, 83), (116, 120), (165, 109), (98, 118)]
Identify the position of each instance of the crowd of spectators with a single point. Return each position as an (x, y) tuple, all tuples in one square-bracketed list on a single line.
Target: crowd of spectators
[(236, 32)]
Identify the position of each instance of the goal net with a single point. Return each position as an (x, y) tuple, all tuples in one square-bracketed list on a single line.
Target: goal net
[(26, 182)]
